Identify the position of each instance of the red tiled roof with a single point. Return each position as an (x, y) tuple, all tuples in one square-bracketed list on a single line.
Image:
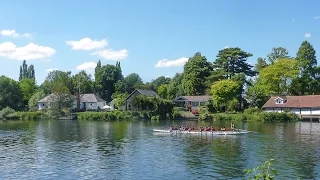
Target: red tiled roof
[(308, 101), (195, 98)]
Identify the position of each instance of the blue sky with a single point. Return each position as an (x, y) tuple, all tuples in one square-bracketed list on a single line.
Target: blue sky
[(66, 34)]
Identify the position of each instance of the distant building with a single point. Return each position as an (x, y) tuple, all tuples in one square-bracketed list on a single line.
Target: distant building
[(191, 102), (129, 99), (302, 105), (87, 101)]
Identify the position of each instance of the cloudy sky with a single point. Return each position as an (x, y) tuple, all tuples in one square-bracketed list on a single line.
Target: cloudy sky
[(149, 37)]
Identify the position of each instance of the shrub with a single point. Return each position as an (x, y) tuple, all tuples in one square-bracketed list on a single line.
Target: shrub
[(5, 112)]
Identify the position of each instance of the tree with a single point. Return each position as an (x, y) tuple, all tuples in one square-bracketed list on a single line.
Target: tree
[(106, 77), (174, 88), (33, 103), (257, 95), (194, 75), (10, 94), (57, 77), (97, 69), (83, 81), (277, 53), (233, 61), (25, 72), (28, 88), (307, 82), (119, 100), (261, 63), (160, 81), (121, 86), (224, 92), (133, 80), (277, 77), (163, 91)]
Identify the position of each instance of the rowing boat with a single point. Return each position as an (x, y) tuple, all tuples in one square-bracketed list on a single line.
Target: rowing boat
[(236, 132)]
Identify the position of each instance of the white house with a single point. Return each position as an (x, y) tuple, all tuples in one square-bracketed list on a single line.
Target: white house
[(48, 100), (91, 101), (302, 105), (87, 101)]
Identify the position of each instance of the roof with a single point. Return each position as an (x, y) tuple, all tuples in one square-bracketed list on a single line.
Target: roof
[(90, 98), (309, 101), (50, 98), (193, 98), (144, 92)]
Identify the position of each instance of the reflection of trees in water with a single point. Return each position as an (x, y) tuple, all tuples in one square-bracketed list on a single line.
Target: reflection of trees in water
[(220, 154)]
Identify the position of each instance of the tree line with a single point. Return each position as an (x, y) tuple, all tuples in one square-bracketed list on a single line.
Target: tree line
[(230, 79)]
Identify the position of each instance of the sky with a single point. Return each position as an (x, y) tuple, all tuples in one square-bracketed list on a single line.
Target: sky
[(150, 37)]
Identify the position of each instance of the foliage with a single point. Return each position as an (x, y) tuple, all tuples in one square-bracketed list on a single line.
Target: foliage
[(28, 88), (31, 115), (163, 91), (133, 81), (175, 88), (82, 82), (120, 100), (5, 112), (264, 171), (224, 92), (26, 72), (10, 93), (33, 102), (233, 61), (257, 94), (277, 53), (195, 72), (261, 63), (162, 80), (278, 77), (114, 115), (57, 78)]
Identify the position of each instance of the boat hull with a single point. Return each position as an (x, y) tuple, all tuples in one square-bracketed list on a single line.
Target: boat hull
[(201, 132)]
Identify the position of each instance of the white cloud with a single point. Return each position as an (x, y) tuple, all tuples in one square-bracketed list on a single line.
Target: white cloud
[(226, 47), (87, 66), (316, 17), (28, 52), (307, 35), (173, 63), (110, 54), (13, 33), (51, 69), (87, 44)]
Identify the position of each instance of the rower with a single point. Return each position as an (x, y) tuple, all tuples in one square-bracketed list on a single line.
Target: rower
[(232, 126)]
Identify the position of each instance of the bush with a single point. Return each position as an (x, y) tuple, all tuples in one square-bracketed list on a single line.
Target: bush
[(4, 113)]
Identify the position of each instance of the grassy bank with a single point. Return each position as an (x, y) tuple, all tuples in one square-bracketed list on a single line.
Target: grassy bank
[(253, 115), (10, 114), (115, 115)]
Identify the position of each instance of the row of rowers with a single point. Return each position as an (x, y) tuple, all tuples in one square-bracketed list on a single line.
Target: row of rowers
[(187, 128)]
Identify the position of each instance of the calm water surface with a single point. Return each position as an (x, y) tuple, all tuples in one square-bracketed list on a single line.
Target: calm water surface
[(52, 149)]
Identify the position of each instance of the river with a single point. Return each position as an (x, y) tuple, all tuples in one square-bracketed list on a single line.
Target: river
[(52, 149)]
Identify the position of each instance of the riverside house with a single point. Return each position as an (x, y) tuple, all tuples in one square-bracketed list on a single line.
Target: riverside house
[(301, 105), (87, 102), (191, 102), (129, 99)]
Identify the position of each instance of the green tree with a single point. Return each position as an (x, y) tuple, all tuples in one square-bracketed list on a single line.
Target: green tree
[(160, 81), (97, 69), (277, 53), (133, 80), (119, 99), (26, 72), (163, 91), (10, 94), (28, 88), (175, 88), (106, 77), (308, 80), (83, 81), (121, 86), (57, 77), (33, 103), (224, 92), (257, 95), (277, 77), (261, 63), (194, 75), (233, 61)]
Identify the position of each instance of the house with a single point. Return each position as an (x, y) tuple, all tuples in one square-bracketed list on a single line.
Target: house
[(191, 102), (91, 101), (87, 101), (302, 105), (111, 104), (47, 101), (129, 99)]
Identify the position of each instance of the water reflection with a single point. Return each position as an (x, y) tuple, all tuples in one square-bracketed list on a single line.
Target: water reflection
[(53, 149)]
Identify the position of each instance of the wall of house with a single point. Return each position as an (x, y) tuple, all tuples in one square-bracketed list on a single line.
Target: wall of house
[(300, 111), (101, 104), (129, 102), (42, 106), (47, 105)]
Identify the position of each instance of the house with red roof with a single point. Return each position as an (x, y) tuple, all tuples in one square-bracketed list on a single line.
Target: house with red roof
[(302, 105)]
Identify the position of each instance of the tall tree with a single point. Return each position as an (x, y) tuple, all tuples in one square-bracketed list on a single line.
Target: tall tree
[(133, 80), (233, 61), (106, 77), (307, 82), (277, 53), (160, 81), (261, 63), (28, 88), (57, 77), (175, 88), (10, 94), (83, 82), (97, 68), (277, 77), (26, 72), (194, 75)]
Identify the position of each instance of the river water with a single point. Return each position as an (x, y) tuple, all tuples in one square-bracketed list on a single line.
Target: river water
[(52, 149)]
